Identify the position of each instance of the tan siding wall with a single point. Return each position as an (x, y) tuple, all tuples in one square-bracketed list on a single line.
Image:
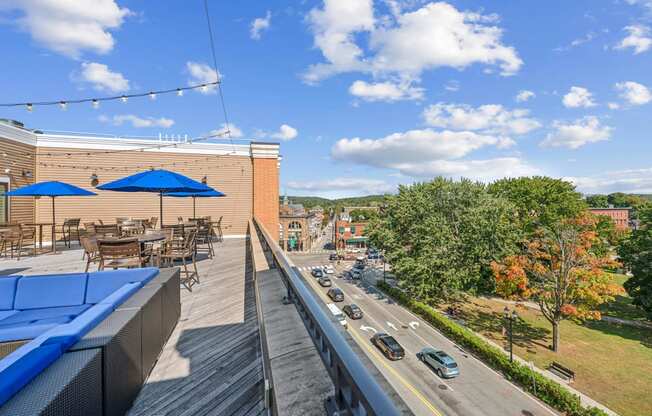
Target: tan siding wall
[(229, 174), (19, 157)]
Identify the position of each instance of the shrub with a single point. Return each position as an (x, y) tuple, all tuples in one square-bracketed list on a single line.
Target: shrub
[(546, 390)]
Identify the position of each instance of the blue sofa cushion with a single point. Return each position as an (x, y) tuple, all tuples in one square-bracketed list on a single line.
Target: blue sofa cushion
[(102, 284), (21, 366), (34, 292), (119, 296), (21, 331), (7, 292), (6, 314), (68, 334), (32, 315)]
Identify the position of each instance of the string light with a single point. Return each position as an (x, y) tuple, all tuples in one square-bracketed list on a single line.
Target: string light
[(95, 104), (152, 95), (63, 105)]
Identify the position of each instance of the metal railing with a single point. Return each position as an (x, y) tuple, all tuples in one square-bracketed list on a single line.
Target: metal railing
[(356, 390)]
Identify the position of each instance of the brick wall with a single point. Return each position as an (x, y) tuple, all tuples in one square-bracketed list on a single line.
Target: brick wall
[(266, 193)]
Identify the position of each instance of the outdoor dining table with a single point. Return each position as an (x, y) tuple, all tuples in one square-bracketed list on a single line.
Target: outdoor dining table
[(40, 232), (150, 238)]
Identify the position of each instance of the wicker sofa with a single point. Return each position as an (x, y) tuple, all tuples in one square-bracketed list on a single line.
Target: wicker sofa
[(82, 343)]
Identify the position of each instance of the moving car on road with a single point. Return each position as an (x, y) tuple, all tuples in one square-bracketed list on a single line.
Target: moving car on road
[(353, 311), (325, 281), (443, 364), (336, 294), (329, 269), (317, 272), (333, 257), (337, 313), (388, 346), (355, 274)]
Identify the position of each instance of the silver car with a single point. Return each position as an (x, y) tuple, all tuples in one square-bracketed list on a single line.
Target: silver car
[(443, 364)]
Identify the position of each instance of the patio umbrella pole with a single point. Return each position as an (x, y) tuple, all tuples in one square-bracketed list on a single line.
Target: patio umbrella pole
[(193, 207), (160, 204), (54, 230)]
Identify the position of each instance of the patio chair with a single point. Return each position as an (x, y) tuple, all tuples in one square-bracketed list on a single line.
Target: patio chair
[(204, 238), (217, 229), (180, 220), (18, 238), (159, 247), (89, 227), (69, 230), (153, 222), (179, 230), (99, 221), (183, 250), (109, 230), (120, 253), (120, 220), (91, 249)]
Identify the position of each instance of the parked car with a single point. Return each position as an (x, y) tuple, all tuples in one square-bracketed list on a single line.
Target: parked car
[(317, 273), (353, 311), (443, 364), (336, 294), (388, 346), (329, 270), (325, 281), (359, 266), (355, 274), (337, 313), (373, 256), (333, 257)]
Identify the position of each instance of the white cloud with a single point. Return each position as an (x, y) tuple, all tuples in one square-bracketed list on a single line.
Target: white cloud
[(629, 180), (69, 27), (524, 95), (414, 146), (385, 91), (102, 78), (452, 85), (482, 170), (285, 133), (578, 97), (201, 73), (638, 39), (356, 185), (490, 118), (436, 35), (578, 133), (613, 106), (235, 131), (138, 122), (259, 25), (634, 93)]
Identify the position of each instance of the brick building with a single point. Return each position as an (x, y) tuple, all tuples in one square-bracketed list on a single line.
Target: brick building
[(620, 216), (350, 235), (294, 227), (247, 173)]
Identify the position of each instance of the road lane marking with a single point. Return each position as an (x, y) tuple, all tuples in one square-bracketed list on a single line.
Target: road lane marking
[(368, 328), (382, 361), (391, 325), (414, 324)]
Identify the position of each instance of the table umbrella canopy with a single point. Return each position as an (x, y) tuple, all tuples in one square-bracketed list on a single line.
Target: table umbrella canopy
[(193, 195), (51, 189), (156, 180)]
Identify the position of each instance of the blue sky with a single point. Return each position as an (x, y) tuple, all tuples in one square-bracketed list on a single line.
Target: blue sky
[(362, 94)]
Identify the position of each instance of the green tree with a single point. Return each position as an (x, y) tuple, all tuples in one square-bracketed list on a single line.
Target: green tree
[(541, 201), (441, 236), (619, 200), (636, 254), (358, 215), (597, 201)]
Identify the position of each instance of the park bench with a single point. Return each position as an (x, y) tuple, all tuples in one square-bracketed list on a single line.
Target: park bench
[(562, 371)]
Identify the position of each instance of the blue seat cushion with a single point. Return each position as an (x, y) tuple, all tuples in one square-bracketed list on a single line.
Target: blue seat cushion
[(67, 334), (32, 315), (6, 314), (21, 331), (102, 284), (21, 366), (7, 292), (33, 292)]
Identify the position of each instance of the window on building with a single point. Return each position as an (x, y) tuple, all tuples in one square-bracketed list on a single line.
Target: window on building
[(4, 202), (341, 230), (353, 229)]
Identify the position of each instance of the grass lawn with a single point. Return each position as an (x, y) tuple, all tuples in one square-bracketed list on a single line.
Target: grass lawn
[(622, 306), (612, 363)]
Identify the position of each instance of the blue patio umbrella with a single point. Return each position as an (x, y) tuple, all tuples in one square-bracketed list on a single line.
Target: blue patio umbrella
[(158, 181), (52, 189), (194, 195)]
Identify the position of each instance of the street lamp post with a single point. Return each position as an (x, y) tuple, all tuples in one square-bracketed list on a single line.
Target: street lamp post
[(384, 279), (510, 317)]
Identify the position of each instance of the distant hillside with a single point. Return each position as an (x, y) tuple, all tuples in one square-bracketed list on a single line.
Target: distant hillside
[(360, 201)]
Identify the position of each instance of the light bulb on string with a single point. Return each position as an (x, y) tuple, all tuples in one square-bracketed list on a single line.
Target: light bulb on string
[(152, 96), (179, 92), (204, 88), (124, 98), (63, 105), (29, 107), (95, 104)]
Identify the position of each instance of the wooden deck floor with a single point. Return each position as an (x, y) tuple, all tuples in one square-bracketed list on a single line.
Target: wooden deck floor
[(211, 365)]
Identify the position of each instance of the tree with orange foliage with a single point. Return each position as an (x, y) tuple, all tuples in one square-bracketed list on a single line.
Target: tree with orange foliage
[(560, 272)]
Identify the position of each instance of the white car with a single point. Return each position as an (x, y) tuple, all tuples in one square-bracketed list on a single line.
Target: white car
[(329, 270)]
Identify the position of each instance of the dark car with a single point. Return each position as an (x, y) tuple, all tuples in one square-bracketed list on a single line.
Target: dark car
[(388, 346), (317, 272), (333, 257), (359, 266), (325, 281), (336, 294), (353, 311)]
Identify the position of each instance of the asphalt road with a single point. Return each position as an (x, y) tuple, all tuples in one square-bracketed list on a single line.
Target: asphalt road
[(477, 391)]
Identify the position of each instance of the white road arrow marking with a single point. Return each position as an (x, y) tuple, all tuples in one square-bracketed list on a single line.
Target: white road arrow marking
[(391, 325), (414, 324), (368, 328)]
